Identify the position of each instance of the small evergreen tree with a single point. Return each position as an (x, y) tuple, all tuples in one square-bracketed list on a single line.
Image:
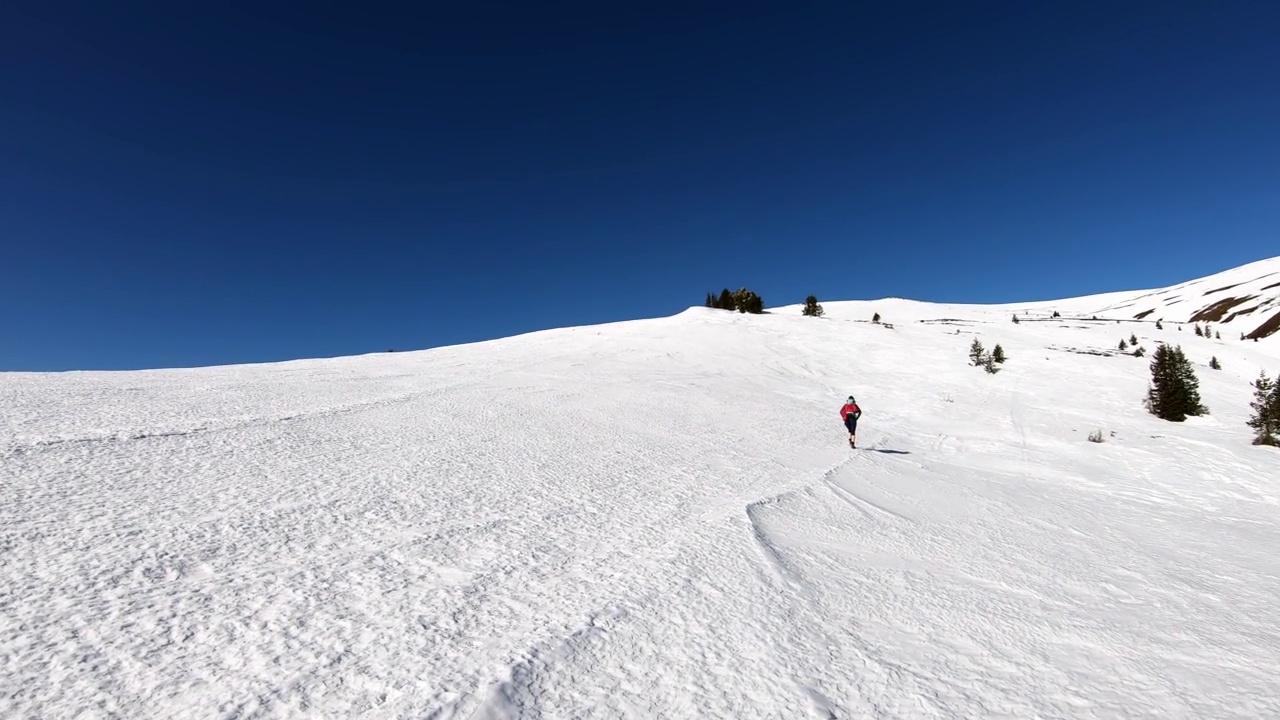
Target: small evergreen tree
[(997, 354), (1015, 319), (1123, 345), (1174, 392), (1214, 364), (1274, 404), (1139, 352), (1217, 335), (976, 351), (1199, 332), (1133, 339), (1159, 325), (875, 318), (1057, 314), (989, 363), (812, 308), (1266, 411)]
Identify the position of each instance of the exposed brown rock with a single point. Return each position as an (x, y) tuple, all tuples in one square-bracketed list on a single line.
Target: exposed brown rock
[(1143, 314), (1214, 312), (1267, 328), (1239, 313)]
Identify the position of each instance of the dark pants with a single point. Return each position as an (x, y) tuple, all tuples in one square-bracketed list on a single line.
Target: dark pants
[(851, 422)]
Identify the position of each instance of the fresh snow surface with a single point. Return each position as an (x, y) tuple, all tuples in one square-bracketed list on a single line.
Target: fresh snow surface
[(651, 519)]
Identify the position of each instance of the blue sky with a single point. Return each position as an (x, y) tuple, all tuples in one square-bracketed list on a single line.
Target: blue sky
[(185, 187)]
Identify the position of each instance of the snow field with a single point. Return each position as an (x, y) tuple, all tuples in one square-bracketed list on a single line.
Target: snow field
[(647, 519)]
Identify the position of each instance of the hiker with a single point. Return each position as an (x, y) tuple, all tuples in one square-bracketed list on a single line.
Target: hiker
[(850, 414)]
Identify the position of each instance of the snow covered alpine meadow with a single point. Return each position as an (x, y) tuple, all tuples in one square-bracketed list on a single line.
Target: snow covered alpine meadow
[(656, 519)]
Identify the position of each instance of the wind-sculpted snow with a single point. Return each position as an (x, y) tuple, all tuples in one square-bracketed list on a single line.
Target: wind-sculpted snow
[(647, 519)]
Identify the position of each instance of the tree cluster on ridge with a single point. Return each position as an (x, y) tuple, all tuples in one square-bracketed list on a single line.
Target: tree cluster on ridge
[(742, 300)]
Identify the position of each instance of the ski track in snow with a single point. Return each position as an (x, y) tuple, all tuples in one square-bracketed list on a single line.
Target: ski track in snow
[(649, 519)]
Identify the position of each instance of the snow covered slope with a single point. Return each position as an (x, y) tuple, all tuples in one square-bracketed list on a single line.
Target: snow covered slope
[(650, 519), (1245, 300)]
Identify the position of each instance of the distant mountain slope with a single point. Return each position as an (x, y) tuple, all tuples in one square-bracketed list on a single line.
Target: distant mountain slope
[(1245, 299)]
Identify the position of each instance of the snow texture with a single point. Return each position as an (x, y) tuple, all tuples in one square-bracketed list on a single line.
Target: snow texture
[(657, 519)]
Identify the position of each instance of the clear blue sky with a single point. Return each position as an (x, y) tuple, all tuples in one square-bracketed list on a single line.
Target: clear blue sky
[(204, 186)]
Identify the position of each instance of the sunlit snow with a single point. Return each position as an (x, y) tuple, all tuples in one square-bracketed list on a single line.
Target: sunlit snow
[(656, 519)]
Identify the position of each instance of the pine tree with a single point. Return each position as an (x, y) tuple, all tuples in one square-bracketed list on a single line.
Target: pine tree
[(1266, 411), (1133, 339), (1274, 404), (989, 363), (1057, 314), (1217, 335), (997, 354), (1199, 332), (726, 300), (1214, 364), (746, 301), (875, 318), (1139, 352), (976, 351), (1015, 319), (1174, 392), (711, 300), (811, 307), (1159, 325), (1123, 345)]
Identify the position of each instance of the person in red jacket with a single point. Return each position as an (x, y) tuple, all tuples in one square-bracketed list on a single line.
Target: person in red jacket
[(850, 414)]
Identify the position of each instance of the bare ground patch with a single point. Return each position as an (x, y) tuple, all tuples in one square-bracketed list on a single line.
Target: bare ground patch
[(1099, 352), (1240, 313), (1267, 328), (1214, 312)]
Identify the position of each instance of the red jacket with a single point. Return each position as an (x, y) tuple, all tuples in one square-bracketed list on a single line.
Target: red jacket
[(850, 409)]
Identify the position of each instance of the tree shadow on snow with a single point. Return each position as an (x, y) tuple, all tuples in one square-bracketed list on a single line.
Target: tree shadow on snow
[(891, 452)]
